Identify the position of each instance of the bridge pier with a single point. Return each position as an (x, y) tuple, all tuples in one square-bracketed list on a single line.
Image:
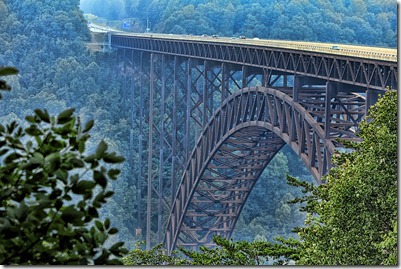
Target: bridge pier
[(309, 100)]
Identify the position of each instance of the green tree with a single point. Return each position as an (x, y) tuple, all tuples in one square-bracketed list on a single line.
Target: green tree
[(155, 256), (51, 191), (230, 252), (353, 217)]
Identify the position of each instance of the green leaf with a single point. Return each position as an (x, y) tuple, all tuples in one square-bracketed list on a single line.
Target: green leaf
[(99, 225), (57, 144), (93, 212), (108, 194), (3, 151), (100, 178), (90, 158), (70, 214), (88, 126), (62, 174), (81, 146), (8, 70), (113, 158), (38, 157), (101, 149), (83, 186), (107, 223), (113, 231), (43, 115), (65, 116), (113, 173), (32, 119), (77, 163), (117, 245), (33, 130)]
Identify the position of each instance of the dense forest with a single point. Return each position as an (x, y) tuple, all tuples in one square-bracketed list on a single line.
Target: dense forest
[(45, 41), (371, 22)]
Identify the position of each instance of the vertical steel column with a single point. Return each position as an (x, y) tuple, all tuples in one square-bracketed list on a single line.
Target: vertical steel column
[(205, 93), (109, 40), (244, 77), (132, 122), (298, 82), (285, 81), (150, 152), (188, 110), (197, 112), (174, 128), (161, 160), (140, 146), (224, 83), (123, 94), (331, 92)]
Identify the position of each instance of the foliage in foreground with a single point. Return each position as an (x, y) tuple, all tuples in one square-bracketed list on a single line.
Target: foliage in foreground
[(230, 252), (51, 191), (155, 256), (353, 218), (227, 252)]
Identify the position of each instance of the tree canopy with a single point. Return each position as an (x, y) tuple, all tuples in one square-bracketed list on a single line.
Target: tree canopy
[(51, 191), (370, 22), (353, 217)]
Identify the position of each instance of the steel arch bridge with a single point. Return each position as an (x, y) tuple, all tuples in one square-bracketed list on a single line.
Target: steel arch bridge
[(217, 111), (241, 138)]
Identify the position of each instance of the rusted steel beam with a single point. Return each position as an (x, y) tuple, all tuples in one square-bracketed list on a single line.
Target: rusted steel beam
[(237, 131), (349, 69)]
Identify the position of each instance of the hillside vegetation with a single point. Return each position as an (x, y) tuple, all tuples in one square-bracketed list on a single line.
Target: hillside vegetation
[(46, 42), (371, 22)]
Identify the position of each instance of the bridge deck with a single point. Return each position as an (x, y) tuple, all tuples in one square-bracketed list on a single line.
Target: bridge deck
[(374, 53)]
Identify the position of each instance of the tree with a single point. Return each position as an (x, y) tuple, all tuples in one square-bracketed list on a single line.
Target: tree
[(50, 193), (353, 217), (230, 252), (155, 256)]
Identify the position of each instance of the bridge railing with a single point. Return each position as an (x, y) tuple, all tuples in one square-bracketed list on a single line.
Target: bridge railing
[(374, 53)]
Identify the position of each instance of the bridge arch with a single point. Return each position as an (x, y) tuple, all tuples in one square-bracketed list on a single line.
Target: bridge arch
[(239, 141)]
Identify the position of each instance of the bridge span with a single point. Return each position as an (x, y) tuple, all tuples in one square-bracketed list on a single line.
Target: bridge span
[(217, 110)]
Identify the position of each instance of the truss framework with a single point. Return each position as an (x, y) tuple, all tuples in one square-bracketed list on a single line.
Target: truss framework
[(241, 138), (187, 102), (364, 72)]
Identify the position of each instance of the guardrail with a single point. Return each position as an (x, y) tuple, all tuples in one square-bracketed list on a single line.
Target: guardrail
[(374, 53)]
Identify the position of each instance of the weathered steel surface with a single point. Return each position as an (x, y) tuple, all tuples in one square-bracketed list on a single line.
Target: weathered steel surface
[(240, 139), (196, 95), (351, 69)]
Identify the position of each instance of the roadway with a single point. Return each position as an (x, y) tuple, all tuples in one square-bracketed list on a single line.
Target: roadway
[(374, 53)]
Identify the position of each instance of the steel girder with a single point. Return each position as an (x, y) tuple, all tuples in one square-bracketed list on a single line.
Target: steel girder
[(192, 90), (364, 72), (241, 138), (171, 99)]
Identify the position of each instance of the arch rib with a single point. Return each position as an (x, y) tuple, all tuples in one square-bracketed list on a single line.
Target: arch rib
[(238, 142)]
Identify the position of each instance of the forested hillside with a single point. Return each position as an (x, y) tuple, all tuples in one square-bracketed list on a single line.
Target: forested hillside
[(45, 40), (371, 22)]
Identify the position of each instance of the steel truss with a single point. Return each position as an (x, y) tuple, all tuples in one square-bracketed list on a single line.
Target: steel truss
[(201, 97), (241, 138), (364, 72)]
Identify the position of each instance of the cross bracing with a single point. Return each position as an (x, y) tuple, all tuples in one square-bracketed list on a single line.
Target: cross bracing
[(212, 116)]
